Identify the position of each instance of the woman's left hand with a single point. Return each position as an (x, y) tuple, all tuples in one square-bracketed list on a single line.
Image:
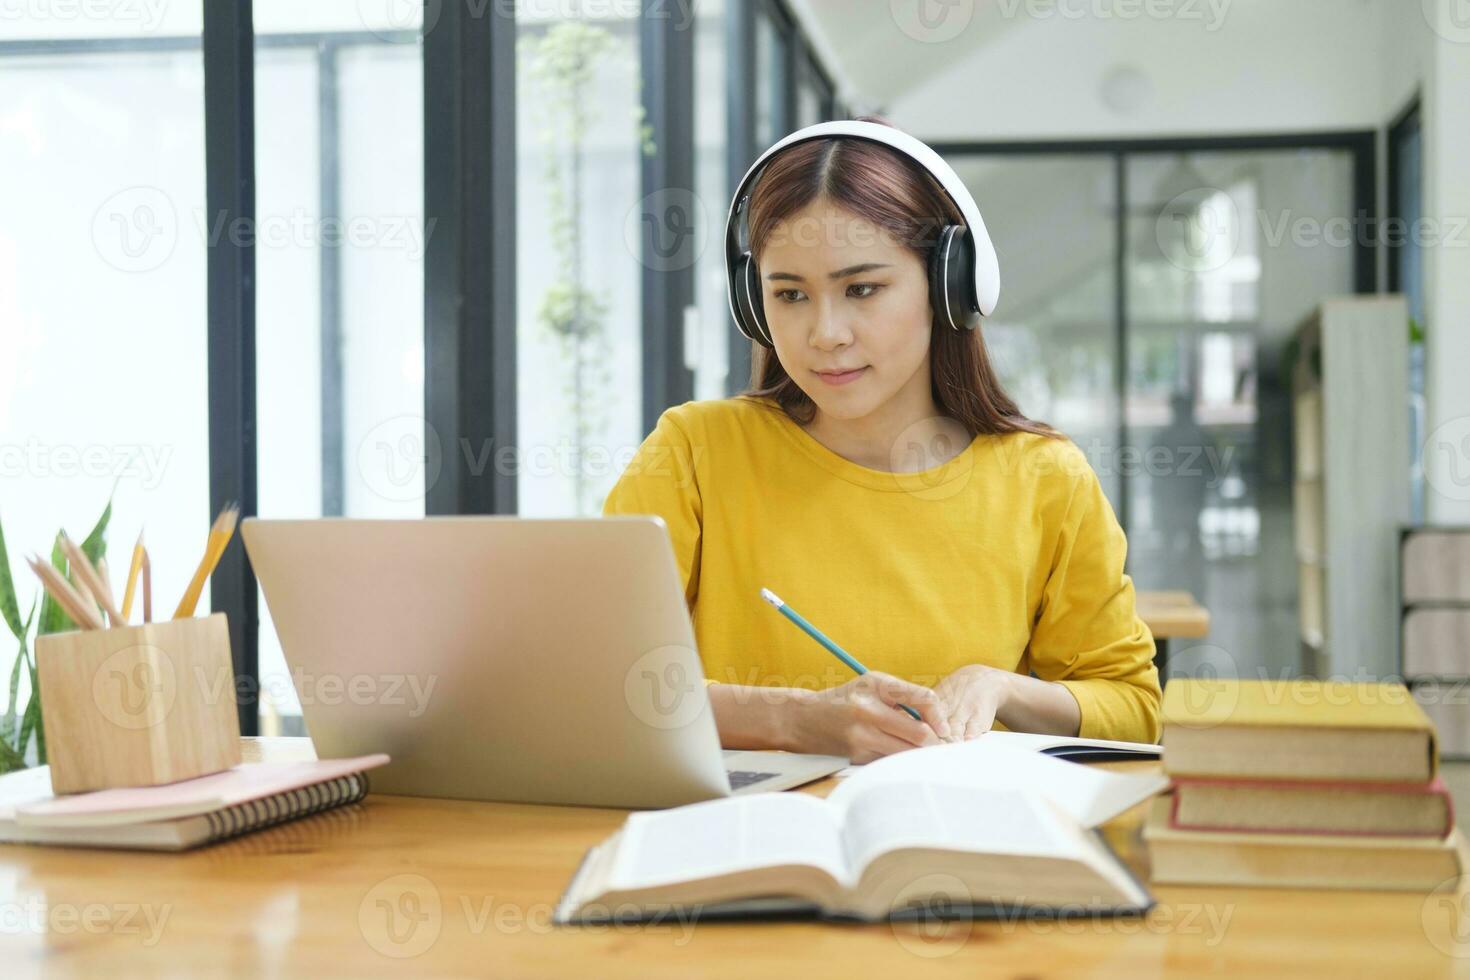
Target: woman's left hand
[(971, 697)]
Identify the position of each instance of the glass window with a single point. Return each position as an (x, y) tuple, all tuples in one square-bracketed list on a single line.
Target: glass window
[(1053, 337), (1404, 235), (1221, 268), (339, 271), (771, 79), (579, 326), (808, 100), (712, 187), (103, 379), (1407, 259)]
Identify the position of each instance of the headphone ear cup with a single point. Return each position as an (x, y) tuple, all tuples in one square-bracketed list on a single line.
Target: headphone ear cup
[(962, 280), (752, 318), (952, 279), (936, 276)]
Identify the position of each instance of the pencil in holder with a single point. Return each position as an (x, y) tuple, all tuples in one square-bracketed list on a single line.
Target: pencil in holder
[(138, 705)]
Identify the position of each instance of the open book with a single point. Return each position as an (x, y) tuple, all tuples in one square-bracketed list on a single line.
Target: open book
[(964, 829)]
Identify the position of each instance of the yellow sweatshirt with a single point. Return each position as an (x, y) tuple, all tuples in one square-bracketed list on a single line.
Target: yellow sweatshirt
[(1009, 554)]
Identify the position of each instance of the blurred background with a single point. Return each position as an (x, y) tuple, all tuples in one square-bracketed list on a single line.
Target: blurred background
[(389, 258)]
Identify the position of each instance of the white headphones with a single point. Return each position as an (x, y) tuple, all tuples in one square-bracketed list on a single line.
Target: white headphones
[(964, 275)]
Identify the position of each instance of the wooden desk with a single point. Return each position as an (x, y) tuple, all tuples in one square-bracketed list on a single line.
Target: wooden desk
[(1167, 615), (411, 887)]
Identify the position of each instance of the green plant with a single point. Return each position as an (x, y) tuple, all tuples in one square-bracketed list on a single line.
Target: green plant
[(18, 727), (562, 66)]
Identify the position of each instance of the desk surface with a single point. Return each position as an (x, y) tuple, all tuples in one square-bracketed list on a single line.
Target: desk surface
[(442, 888), (1172, 614)]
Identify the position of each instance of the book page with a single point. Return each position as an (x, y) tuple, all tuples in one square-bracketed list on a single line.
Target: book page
[(949, 817), (1089, 796), (1069, 747), (720, 837)]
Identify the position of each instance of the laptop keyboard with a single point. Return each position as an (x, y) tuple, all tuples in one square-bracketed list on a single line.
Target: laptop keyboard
[(741, 778)]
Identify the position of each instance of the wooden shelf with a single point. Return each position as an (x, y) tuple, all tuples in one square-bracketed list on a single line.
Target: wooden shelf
[(1350, 481)]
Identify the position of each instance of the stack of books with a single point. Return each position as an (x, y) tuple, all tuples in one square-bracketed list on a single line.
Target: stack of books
[(1435, 632), (1305, 784)]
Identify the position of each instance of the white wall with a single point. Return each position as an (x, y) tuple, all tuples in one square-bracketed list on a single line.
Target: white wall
[(1212, 67), (1446, 89)]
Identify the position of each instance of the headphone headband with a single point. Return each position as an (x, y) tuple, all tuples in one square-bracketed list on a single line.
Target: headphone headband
[(986, 268)]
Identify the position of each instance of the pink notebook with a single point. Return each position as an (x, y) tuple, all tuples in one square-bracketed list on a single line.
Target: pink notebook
[(183, 814)]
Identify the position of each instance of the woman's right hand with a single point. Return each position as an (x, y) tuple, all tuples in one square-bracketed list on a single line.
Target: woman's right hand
[(862, 719)]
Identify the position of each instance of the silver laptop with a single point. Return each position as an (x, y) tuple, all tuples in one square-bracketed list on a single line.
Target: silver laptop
[(505, 658)]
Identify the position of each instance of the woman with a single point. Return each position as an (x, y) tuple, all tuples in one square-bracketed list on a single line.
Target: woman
[(877, 477)]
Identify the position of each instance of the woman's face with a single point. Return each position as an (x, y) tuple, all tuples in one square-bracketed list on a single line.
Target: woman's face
[(842, 295)]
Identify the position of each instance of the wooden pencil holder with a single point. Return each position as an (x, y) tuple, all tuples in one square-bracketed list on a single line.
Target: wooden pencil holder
[(138, 705)]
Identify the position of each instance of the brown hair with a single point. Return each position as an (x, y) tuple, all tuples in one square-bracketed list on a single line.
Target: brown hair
[(884, 186)]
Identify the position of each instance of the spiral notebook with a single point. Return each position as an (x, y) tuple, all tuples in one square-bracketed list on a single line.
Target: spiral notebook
[(178, 816)]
